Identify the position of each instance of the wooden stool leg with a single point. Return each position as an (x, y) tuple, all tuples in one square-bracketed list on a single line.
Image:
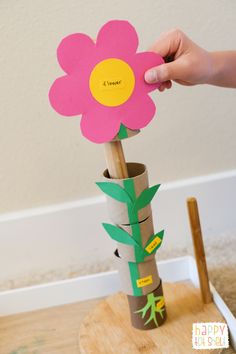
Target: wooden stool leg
[(199, 249)]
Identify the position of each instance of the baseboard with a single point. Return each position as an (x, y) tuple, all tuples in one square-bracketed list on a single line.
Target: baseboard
[(60, 238), (85, 287)]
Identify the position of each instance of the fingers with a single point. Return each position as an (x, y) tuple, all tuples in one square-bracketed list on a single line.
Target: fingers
[(164, 72), (165, 85), (168, 43), (190, 63)]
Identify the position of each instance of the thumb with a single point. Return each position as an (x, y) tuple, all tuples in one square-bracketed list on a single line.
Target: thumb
[(161, 73)]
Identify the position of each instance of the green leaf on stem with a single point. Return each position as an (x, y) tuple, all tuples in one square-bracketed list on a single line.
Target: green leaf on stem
[(154, 242), (119, 235), (115, 191), (146, 197)]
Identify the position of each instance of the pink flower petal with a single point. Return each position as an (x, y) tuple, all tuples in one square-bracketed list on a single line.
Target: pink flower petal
[(140, 64), (72, 50), (117, 37), (66, 96), (137, 112), (100, 124)]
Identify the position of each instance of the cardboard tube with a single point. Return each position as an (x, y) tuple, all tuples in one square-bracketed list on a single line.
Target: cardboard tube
[(127, 252), (137, 278), (138, 179), (137, 303)]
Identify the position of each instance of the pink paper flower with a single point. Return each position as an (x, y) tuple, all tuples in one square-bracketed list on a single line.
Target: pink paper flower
[(104, 81)]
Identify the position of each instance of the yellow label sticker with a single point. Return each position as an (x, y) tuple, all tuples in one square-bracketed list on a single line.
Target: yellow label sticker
[(153, 244), (112, 82), (144, 281), (160, 304)]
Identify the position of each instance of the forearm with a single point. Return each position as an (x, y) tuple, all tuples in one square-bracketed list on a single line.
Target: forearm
[(223, 69)]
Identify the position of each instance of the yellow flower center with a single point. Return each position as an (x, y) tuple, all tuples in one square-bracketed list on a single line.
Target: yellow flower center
[(112, 82)]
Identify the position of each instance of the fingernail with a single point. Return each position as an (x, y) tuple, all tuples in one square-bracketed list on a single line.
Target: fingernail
[(150, 76)]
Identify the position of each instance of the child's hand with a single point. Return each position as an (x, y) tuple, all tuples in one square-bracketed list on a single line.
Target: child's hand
[(191, 64)]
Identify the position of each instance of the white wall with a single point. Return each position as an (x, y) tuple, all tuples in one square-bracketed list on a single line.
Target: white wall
[(43, 157)]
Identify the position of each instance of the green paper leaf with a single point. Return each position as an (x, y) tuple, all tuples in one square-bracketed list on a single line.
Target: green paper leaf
[(120, 235), (115, 191), (145, 197), (122, 132), (154, 242)]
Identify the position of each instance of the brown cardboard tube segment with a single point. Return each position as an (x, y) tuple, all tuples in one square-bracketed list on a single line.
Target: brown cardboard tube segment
[(137, 278), (152, 306), (118, 211), (127, 252)]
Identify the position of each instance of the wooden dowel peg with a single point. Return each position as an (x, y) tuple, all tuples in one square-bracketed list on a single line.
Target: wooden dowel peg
[(199, 249), (115, 159)]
